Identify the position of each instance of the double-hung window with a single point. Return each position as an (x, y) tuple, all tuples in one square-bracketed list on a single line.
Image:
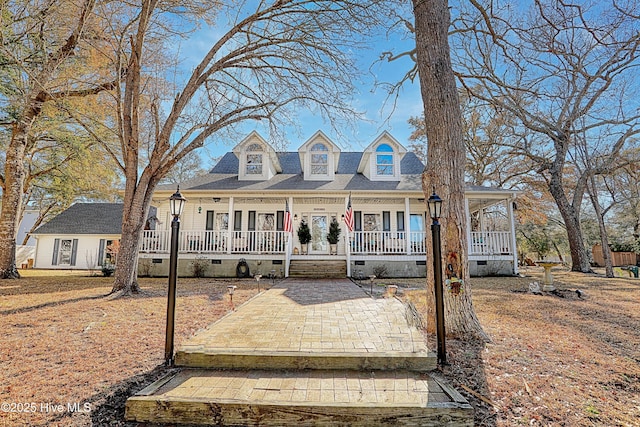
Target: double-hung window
[(254, 155), (319, 159), (384, 160)]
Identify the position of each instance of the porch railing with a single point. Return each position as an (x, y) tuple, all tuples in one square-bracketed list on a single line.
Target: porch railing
[(209, 241), (387, 242), (490, 243), (275, 242)]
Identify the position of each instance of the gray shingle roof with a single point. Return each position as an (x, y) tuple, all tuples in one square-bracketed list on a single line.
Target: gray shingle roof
[(224, 176), (86, 218), (290, 162)]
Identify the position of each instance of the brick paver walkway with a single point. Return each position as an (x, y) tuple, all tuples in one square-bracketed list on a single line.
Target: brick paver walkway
[(306, 353), (328, 316)]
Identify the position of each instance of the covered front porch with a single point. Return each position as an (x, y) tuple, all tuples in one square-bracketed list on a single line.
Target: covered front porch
[(387, 231)]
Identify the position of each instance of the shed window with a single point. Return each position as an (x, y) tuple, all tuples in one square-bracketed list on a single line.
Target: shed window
[(65, 252), (64, 256)]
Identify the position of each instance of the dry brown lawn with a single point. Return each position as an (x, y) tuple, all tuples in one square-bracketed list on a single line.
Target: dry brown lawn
[(70, 357), (64, 344), (554, 360)]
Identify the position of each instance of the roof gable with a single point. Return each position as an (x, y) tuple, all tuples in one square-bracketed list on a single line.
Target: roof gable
[(320, 164), (257, 160), (396, 152)]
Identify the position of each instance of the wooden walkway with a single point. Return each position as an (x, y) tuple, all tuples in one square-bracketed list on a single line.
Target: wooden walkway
[(306, 353)]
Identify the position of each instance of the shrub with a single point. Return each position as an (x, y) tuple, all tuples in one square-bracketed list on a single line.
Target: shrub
[(199, 267), (380, 271)]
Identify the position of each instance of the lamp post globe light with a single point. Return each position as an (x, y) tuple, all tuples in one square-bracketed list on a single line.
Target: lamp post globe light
[(435, 210), (435, 206), (176, 205)]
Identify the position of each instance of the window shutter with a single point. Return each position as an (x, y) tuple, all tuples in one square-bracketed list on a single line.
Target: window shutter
[(74, 251), (400, 220), (209, 225), (103, 244), (252, 220), (357, 220), (56, 248), (280, 220), (237, 221)]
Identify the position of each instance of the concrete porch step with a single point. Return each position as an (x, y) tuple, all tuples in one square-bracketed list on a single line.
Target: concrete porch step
[(299, 398), (318, 268)]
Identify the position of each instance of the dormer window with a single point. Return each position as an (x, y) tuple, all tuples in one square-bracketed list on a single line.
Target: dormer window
[(381, 159), (257, 160), (384, 160), (319, 159), (254, 155)]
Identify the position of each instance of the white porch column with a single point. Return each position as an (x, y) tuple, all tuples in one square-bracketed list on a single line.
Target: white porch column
[(287, 255), (347, 246), (468, 215), (231, 225), (407, 225), (512, 224)]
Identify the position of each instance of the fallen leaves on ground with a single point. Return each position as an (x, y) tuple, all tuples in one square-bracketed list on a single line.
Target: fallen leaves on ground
[(70, 357), (66, 348), (558, 359)]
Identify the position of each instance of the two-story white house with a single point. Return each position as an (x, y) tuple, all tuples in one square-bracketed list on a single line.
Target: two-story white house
[(234, 219)]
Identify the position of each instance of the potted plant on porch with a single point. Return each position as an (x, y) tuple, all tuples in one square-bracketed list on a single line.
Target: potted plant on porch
[(304, 236), (334, 235)]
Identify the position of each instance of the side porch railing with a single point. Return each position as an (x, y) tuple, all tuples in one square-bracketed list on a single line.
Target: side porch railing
[(490, 243)]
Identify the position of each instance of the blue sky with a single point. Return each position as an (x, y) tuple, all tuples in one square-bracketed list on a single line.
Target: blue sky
[(379, 112)]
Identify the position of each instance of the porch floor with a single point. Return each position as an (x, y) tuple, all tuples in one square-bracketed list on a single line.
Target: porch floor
[(307, 352)]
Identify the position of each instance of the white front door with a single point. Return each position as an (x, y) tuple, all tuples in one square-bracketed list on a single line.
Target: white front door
[(319, 226)]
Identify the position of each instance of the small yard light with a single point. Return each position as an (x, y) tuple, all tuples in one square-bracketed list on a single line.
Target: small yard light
[(231, 289), (435, 210), (258, 277), (176, 205), (371, 279)]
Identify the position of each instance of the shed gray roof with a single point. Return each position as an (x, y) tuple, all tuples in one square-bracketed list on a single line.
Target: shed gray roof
[(86, 218)]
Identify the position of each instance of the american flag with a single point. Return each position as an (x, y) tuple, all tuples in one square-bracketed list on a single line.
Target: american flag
[(348, 215), (288, 224)]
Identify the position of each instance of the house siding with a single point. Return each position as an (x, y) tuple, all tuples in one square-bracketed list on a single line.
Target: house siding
[(86, 251)]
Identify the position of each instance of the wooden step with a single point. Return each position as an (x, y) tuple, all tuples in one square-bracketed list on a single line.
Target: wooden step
[(268, 360), (300, 398)]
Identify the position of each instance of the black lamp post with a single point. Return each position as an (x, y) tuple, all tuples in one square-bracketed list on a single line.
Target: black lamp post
[(435, 210), (176, 204)]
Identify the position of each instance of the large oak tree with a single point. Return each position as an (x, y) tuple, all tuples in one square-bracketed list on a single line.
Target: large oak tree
[(266, 60), (444, 172), (567, 72)]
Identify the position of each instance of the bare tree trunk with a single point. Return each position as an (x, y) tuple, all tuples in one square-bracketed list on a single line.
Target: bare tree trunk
[(12, 201), (571, 217), (444, 172), (136, 208), (604, 236)]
